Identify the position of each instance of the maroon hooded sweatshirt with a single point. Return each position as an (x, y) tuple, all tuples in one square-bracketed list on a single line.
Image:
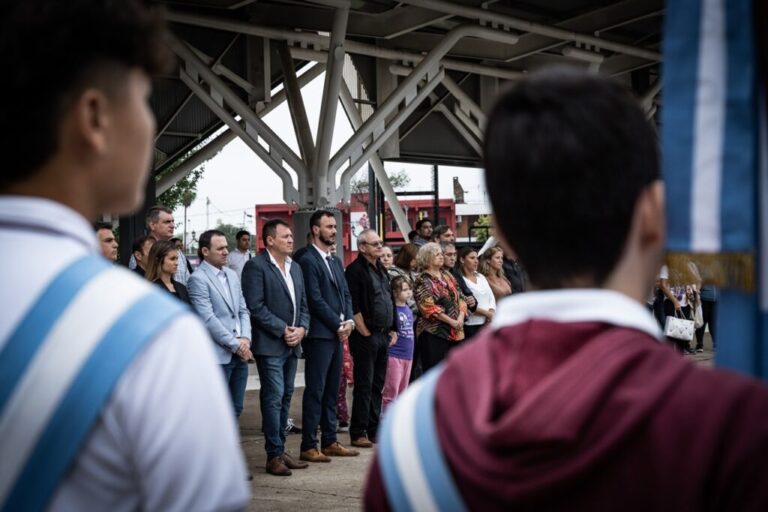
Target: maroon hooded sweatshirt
[(571, 403)]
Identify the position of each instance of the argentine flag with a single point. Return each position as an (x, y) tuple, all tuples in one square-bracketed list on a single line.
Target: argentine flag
[(715, 164)]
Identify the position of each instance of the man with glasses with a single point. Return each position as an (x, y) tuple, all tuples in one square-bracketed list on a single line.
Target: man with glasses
[(374, 316)]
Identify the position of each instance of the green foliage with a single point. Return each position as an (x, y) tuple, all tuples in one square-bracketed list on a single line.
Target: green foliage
[(482, 234), (183, 192), (398, 179), (230, 231)]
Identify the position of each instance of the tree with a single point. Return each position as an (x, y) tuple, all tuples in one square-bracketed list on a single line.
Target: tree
[(483, 221), (359, 187), (186, 187), (230, 231)]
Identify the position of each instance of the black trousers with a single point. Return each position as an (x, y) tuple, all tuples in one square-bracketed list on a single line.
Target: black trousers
[(708, 312), (470, 331), (669, 310), (433, 350), (369, 355), (322, 374)]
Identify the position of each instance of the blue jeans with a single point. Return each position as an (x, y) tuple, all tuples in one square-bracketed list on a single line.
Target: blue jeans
[(236, 377), (276, 374), (322, 372)]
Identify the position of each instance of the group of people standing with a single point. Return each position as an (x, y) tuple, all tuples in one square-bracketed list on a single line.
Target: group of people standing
[(378, 324)]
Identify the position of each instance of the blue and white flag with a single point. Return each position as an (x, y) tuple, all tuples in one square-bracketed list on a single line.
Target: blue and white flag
[(714, 163)]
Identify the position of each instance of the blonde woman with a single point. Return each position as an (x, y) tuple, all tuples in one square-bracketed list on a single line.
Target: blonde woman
[(492, 267), (441, 305)]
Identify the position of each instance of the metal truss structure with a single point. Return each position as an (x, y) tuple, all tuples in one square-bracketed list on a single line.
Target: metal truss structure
[(414, 77)]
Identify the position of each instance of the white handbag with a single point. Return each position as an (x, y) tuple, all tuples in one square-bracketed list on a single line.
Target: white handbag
[(679, 328)]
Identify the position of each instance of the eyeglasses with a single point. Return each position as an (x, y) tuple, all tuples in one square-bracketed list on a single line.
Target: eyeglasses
[(374, 244)]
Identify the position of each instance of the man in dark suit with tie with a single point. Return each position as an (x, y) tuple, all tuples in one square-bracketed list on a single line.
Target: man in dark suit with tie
[(330, 307), (274, 292)]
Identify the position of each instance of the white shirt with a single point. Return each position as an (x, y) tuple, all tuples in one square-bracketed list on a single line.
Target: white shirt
[(237, 260), (288, 281), (165, 440), (483, 295), (325, 255), (576, 305), (222, 277)]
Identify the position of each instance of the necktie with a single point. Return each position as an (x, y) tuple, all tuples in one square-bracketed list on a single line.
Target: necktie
[(329, 259)]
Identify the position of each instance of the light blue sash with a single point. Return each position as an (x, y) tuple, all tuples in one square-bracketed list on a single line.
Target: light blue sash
[(415, 473), (28, 482)]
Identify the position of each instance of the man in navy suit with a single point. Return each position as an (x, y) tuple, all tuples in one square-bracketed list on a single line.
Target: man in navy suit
[(330, 307), (215, 294), (274, 292)]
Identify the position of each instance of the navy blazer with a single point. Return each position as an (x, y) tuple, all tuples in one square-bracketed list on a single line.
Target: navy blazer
[(328, 299), (269, 302)]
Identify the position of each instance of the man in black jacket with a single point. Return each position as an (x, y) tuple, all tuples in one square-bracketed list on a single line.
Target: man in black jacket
[(374, 315)]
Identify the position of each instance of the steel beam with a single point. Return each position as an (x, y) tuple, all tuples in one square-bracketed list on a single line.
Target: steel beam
[(369, 147), (319, 42), (277, 147), (328, 107), (296, 105), (499, 19), (427, 68), (216, 145), (290, 194), (348, 103)]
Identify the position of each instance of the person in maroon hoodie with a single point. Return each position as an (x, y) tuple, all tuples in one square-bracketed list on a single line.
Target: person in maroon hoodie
[(570, 401)]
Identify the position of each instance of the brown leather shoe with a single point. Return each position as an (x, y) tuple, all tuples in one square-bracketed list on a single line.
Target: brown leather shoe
[(337, 450), (314, 455), (292, 463), (275, 466), (362, 442)]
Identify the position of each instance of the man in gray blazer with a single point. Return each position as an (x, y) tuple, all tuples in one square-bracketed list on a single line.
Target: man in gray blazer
[(216, 296), (274, 291)]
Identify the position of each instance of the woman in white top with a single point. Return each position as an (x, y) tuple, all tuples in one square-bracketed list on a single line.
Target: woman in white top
[(486, 302)]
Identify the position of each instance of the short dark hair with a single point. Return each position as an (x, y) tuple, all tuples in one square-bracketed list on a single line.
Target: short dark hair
[(102, 225), (405, 256), (175, 239), (240, 234), (205, 240), (56, 50), (153, 214), (270, 229), (422, 222), (138, 244), (567, 154), (314, 220), (439, 230), (412, 235)]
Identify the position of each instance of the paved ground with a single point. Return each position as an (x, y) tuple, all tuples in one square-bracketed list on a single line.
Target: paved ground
[(334, 486)]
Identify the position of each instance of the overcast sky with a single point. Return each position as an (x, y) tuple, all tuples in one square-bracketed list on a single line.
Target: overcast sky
[(236, 180)]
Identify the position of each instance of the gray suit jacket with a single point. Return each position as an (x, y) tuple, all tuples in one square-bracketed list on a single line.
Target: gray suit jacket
[(217, 312), (270, 304)]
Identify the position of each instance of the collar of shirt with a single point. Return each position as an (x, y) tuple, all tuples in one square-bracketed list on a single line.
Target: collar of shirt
[(36, 212), (216, 271), (288, 262), (323, 254), (576, 305)]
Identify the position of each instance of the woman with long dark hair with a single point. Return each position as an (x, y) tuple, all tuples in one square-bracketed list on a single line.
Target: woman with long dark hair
[(162, 265), (478, 285)]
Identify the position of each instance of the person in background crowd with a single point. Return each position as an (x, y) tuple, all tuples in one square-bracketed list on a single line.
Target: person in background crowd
[(412, 236), (423, 232), (491, 266), (347, 381), (441, 306), (107, 241), (449, 255), (708, 297), (400, 354), (481, 291), (274, 291), (387, 258), (179, 243), (514, 271), (375, 327), (405, 263), (449, 264), (242, 252), (140, 251), (162, 263), (330, 310), (160, 225), (77, 132), (568, 401), (443, 233), (675, 304)]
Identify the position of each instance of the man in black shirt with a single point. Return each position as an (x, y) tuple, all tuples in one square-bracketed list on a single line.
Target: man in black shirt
[(374, 316)]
